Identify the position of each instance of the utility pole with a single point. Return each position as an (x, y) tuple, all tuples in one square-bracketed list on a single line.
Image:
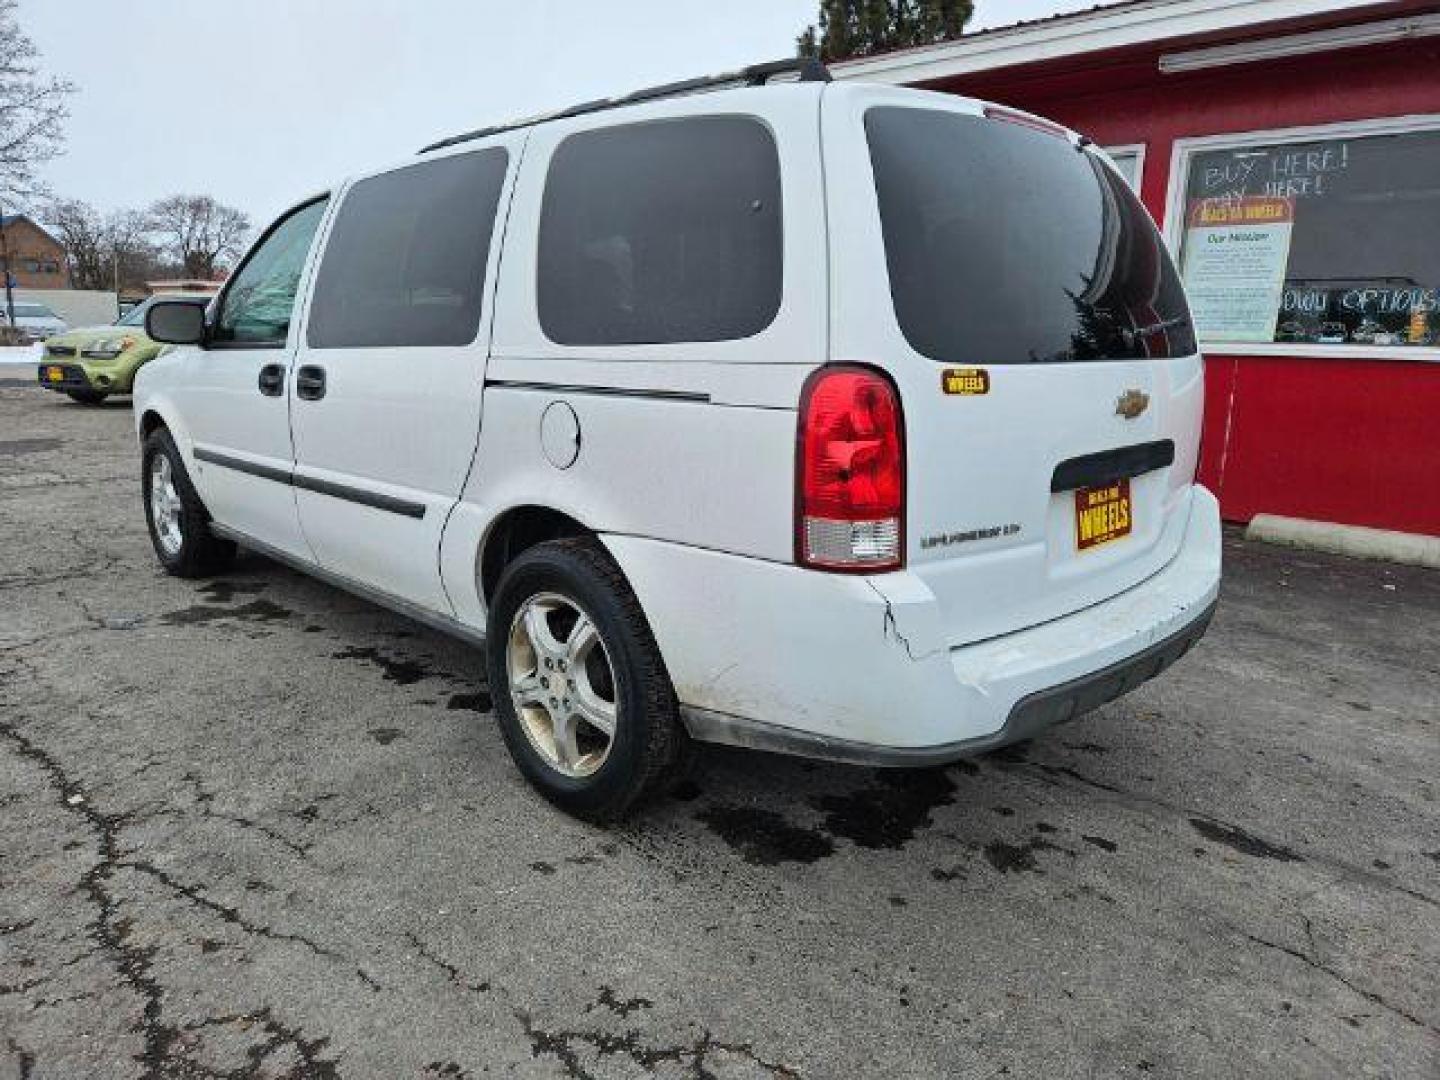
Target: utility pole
[(5, 267)]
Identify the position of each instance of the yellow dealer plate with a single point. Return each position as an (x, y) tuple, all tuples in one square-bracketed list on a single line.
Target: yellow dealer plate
[(966, 381), (55, 374), (1102, 514)]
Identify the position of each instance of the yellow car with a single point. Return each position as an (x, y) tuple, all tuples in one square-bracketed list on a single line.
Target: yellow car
[(89, 365)]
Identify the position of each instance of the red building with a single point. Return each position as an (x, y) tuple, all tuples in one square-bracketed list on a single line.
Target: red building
[(1322, 340)]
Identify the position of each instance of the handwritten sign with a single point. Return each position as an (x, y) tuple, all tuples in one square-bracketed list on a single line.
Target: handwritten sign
[(1280, 172), (1236, 252)]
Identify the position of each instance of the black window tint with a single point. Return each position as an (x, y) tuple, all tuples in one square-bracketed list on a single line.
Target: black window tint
[(260, 301), (405, 262), (661, 232), (1007, 245)]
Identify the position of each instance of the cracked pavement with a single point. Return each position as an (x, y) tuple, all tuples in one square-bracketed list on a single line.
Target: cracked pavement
[(254, 828)]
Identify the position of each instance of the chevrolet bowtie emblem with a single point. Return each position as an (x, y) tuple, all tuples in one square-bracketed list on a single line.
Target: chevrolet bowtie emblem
[(1131, 404)]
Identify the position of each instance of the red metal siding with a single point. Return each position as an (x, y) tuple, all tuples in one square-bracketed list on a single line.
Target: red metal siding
[(1333, 439)]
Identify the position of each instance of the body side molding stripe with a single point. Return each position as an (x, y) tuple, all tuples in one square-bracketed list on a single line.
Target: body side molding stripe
[(364, 497), (225, 461), (603, 391)]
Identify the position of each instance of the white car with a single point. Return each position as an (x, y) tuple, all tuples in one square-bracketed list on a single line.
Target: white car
[(839, 420), (36, 321)]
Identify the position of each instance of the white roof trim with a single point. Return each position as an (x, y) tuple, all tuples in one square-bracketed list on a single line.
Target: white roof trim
[(1078, 34)]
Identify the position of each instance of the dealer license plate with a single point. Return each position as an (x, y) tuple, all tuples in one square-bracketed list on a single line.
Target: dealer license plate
[(1102, 514), (55, 374)]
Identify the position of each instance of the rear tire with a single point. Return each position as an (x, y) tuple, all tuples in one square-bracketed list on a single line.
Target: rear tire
[(178, 521), (569, 653), (86, 397)]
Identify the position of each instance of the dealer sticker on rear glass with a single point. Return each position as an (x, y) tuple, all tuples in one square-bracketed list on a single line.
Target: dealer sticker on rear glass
[(967, 381)]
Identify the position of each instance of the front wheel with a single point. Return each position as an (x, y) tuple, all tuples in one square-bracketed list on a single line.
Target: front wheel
[(179, 523), (581, 692)]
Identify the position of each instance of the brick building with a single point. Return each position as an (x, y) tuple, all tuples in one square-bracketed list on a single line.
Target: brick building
[(37, 259)]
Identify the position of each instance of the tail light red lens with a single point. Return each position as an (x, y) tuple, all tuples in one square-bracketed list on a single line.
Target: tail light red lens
[(850, 482)]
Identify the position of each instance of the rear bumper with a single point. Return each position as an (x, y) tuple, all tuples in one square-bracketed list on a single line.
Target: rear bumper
[(774, 657), (1031, 716)]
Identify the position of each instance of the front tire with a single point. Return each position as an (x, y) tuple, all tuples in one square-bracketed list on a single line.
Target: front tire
[(584, 703), (86, 397), (178, 521)]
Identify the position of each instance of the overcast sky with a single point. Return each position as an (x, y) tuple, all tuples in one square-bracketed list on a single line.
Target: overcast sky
[(260, 102)]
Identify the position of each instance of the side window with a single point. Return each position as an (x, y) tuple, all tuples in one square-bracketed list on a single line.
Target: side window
[(405, 262), (661, 232), (260, 301)]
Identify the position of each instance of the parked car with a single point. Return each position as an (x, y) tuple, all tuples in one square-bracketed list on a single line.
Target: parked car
[(91, 364), (36, 322), (838, 420)]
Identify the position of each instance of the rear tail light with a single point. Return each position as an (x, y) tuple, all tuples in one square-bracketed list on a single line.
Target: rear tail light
[(850, 472)]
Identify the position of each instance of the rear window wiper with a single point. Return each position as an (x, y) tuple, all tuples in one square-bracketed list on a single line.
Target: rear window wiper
[(1140, 333)]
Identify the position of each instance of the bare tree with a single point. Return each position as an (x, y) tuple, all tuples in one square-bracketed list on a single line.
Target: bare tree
[(79, 227), (32, 111), (202, 235), (137, 258), (109, 252)]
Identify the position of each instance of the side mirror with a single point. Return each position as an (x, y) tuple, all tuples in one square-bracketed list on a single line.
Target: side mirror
[(176, 322)]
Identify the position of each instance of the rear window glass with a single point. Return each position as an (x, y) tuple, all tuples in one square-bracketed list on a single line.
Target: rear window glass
[(1007, 245), (661, 232), (405, 263)]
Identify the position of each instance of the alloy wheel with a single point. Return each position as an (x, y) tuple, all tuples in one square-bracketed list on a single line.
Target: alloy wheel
[(165, 507), (562, 684)]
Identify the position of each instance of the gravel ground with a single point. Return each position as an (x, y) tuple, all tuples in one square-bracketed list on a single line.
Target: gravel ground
[(257, 828)]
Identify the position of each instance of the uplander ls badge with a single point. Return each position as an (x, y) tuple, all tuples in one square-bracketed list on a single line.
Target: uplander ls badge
[(1131, 404)]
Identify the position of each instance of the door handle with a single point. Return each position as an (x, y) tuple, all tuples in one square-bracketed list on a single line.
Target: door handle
[(310, 383), (272, 380)]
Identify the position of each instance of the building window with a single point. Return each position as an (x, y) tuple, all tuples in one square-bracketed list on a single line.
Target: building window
[(1130, 160), (1321, 239)]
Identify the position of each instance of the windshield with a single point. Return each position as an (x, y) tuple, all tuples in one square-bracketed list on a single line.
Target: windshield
[(1008, 245)]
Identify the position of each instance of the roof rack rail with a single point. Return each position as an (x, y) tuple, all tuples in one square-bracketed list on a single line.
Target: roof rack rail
[(800, 69)]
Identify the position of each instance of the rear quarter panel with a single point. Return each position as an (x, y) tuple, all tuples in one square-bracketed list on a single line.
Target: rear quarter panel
[(691, 443)]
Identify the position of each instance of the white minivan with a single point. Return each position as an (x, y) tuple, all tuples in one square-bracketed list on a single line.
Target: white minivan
[(837, 420)]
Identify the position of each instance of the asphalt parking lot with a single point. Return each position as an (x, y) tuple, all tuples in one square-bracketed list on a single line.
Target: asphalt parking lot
[(257, 828)]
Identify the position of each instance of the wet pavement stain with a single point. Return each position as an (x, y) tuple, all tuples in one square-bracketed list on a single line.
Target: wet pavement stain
[(1233, 836), (386, 735), (686, 790), (1016, 858), (888, 815), (404, 672), (1100, 842), (478, 702), (255, 611), (222, 592), (765, 838)]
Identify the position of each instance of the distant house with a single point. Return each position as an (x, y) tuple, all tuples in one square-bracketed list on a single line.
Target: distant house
[(37, 259)]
